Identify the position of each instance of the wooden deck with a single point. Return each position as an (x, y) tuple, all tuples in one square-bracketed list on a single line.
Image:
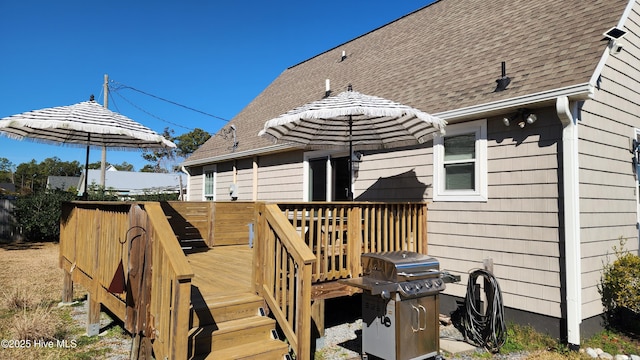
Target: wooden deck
[(204, 280), (223, 270)]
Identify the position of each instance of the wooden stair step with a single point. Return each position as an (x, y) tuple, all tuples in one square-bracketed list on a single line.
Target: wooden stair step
[(270, 349), (207, 310), (230, 333)]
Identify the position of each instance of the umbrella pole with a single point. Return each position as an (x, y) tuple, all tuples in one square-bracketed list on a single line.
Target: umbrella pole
[(349, 191), (85, 194)]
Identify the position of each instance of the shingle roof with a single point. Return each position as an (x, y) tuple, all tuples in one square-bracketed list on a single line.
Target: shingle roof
[(443, 57)]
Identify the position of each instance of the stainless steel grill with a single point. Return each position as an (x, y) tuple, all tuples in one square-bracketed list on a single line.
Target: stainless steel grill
[(400, 306)]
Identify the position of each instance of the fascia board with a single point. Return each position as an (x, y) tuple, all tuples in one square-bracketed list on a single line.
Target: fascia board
[(239, 154), (575, 92)]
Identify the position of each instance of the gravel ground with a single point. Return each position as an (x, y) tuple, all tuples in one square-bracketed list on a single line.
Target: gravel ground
[(119, 346), (343, 342)]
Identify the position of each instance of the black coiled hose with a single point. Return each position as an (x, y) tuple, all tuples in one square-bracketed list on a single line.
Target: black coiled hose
[(487, 330)]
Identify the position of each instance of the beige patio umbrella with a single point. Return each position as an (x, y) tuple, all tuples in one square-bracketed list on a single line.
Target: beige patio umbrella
[(83, 124), (355, 121)]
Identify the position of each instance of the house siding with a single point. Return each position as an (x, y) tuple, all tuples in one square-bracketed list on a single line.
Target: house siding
[(244, 178), (518, 227), (224, 179), (395, 175), (280, 177), (195, 185), (607, 181)]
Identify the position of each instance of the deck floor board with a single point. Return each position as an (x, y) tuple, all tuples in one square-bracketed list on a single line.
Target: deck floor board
[(223, 270)]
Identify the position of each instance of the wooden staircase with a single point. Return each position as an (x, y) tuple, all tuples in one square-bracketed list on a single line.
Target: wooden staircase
[(233, 327), (228, 321)]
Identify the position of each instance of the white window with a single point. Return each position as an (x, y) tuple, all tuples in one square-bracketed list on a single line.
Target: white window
[(209, 188), (460, 163)]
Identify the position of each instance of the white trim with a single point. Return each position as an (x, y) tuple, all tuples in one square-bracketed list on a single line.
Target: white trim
[(595, 77), (626, 13), (577, 92), (480, 194), (240, 154), (209, 168)]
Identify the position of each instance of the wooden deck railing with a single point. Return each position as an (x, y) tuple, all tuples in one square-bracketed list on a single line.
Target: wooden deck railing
[(97, 238), (338, 233), (282, 274)]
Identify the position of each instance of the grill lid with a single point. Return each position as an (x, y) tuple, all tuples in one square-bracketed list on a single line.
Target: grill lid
[(397, 266)]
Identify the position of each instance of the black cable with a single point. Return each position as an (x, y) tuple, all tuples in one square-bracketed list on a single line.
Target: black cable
[(487, 330), (148, 113), (118, 86)]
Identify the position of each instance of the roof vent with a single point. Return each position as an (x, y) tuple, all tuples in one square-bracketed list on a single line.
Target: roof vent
[(504, 81), (327, 88), (344, 55)]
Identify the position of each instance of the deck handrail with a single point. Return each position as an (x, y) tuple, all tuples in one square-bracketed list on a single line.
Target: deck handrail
[(283, 267), (171, 288), (95, 237), (339, 232)]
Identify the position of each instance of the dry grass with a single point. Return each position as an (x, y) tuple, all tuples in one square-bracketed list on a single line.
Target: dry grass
[(30, 274), (41, 323), (31, 289)]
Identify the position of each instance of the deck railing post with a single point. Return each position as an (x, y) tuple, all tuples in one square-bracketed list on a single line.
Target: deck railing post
[(354, 239), (422, 228)]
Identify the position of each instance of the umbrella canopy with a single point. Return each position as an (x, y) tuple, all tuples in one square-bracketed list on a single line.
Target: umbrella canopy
[(83, 124), (354, 120)]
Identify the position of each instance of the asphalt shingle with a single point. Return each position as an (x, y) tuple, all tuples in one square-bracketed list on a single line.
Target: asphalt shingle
[(443, 57)]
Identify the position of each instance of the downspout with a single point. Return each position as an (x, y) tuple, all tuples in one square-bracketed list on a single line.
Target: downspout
[(568, 116)]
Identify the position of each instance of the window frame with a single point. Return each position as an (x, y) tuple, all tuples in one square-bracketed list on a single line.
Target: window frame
[(327, 156), (480, 194)]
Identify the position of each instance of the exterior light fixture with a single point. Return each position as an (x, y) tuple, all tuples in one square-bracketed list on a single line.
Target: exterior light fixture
[(531, 118), (614, 35), (524, 116), (356, 159)]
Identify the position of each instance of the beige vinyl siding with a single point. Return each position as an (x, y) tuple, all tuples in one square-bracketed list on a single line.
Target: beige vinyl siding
[(244, 179), (517, 227), (224, 179), (280, 177), (195, 184), (398, 175), (607, 182)]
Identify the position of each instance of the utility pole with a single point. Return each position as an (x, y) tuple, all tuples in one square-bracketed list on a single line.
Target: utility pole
[(103, 161)]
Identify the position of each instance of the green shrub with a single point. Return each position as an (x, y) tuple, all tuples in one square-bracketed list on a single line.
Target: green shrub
[(38, 214), (620, 290)]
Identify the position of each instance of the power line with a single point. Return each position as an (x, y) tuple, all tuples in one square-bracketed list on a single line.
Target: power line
[(148, 113), (119, 86)]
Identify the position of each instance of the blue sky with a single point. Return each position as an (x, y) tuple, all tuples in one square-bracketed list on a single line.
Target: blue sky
[(213, 56)]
